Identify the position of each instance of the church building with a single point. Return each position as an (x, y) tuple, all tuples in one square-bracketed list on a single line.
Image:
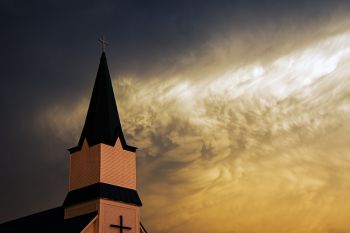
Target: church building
[(102, 195)]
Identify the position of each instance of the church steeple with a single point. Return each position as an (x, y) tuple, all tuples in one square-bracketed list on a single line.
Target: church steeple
[(102, 124), (102, 183)]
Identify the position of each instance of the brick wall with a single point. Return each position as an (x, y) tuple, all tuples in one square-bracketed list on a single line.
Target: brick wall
[(102, 163)]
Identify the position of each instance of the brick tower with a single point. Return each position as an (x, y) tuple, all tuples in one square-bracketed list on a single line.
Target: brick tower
[(102, 177), (102, 195)]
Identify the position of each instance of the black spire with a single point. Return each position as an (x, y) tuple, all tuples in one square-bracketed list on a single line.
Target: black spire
[(102, 124)]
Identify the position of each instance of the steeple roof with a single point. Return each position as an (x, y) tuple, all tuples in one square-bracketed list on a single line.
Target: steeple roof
[(102, 123)]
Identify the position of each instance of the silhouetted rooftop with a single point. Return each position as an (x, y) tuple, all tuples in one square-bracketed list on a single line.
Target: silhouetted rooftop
[(48, 221)]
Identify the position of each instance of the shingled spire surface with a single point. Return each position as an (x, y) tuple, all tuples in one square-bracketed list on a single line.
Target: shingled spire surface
[(102, 124)]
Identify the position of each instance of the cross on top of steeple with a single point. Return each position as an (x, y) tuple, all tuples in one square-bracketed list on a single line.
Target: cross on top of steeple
[(104, 43)]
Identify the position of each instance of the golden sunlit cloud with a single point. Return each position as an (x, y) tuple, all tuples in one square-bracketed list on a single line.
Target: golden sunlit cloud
[(259, 148)]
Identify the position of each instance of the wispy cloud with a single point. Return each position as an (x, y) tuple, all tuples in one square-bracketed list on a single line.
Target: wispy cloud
[(260, 147)]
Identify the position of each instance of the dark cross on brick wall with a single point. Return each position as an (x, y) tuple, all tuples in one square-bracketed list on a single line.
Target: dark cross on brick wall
[(121, 226)]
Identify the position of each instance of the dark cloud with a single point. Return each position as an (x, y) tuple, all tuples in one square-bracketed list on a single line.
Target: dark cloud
[(49, 56)]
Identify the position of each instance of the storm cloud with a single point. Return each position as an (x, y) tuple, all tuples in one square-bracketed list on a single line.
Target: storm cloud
[(239, 108)]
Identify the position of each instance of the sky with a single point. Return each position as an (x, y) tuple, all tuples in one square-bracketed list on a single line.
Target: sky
[(239, 109)]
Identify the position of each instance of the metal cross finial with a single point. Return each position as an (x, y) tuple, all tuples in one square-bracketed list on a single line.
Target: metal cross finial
[(103, 42)]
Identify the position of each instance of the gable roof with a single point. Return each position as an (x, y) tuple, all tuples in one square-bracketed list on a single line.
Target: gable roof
[(49, 221), (102, 123)]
